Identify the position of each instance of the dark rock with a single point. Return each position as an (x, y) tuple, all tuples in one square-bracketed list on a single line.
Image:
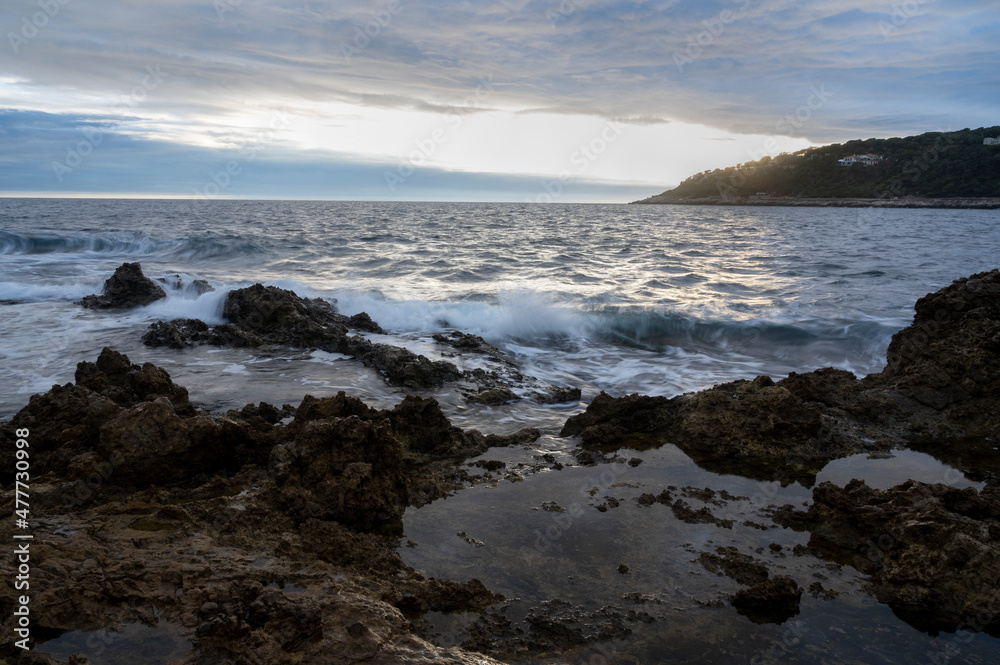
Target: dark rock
[(150, 443), (116, 378), (344, 469), (623, 569), (770, 601), (489, 465), (280, 316), (493, 396), (730, 562), (179, 333), (361, 321), (128, 287), (474, 344), (931, 550), (557, 395), (399, 366)]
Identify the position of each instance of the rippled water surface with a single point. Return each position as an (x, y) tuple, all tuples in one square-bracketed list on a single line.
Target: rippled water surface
[(650, 299)]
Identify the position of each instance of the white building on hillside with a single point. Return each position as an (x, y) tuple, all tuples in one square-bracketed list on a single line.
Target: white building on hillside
[(864, 160), (991, 141)]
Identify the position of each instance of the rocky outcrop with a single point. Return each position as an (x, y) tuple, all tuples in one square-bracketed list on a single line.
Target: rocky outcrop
[(939, 384), (180, 525), (933, 551), (128, 287)]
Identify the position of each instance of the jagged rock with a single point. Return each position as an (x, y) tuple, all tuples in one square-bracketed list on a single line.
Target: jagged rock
[(115, 377), (203, 518), (128, 287), (361, 321), (340, 468), (933, 551), (150, 443), (419, 423), (179, 333), (280, 316)]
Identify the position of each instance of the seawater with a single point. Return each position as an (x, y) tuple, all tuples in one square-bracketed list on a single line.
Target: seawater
[(652, 299), (649, 299)]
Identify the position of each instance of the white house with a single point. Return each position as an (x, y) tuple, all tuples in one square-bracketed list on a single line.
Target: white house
[(864, 160), (991, 141)]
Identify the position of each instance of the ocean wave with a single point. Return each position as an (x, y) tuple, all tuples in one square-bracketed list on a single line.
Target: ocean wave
[(535, 319), (17, 292), (127, 244)]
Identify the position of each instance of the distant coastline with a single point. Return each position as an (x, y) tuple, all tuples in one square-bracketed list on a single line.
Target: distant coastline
[(967, 203)]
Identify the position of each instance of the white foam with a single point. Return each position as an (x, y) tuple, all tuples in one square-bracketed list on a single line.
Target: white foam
[(21, 292)]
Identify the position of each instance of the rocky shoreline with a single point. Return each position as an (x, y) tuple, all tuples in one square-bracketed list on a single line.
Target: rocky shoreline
[(269, 534), (906, 202)]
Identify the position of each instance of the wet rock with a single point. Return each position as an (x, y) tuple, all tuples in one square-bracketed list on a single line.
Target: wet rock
[(399, 366), (179, 333), (949, 357), (151, 444), (279, 316), (489, 465), (557, 395), (732, 563), (116, 377), (933, 551), (703, 515), (340, 468), (773, 600), (465, 342), (127, 287), (361, 321), (493, 396)]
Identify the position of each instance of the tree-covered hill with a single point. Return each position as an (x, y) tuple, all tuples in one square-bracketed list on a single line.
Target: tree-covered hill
[(932, 165)]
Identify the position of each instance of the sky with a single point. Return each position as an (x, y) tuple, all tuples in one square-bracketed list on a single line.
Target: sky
[(512, 100)]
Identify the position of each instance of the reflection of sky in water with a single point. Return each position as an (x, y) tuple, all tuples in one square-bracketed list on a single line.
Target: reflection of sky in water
[(130, 644), (531, 555)]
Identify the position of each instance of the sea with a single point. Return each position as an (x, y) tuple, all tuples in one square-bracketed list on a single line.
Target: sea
[(657, 300)]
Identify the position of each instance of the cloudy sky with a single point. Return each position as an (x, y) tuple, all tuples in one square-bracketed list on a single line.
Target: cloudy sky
[(541, 100)]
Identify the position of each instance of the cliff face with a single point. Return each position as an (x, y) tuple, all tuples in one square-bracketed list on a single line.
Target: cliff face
[(936, 165)]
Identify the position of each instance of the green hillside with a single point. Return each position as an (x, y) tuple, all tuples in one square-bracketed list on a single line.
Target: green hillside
[(932, 165)]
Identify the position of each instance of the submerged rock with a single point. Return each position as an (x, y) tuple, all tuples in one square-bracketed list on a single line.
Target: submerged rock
[(773, 600), (128, 287)]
